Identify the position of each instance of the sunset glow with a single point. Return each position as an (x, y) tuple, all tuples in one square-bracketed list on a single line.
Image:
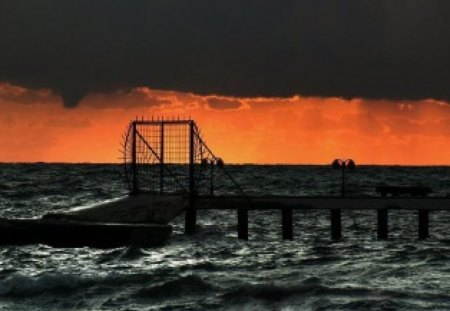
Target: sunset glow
[(36, 127)]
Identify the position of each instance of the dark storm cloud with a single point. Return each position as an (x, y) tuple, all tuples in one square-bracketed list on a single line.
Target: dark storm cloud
[(135, 98), (394, 49)]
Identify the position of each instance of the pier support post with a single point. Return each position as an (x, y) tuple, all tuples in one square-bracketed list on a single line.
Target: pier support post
[(382, 223), (190, 220), (242, 223), (336, 227), (286, 223), (423, 215)]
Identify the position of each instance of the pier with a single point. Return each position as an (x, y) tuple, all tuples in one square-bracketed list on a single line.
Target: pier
[(335, 205), (170, 155), (170, 171)]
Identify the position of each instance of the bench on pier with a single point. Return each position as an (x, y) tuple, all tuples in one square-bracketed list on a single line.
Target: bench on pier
[(395, 191)]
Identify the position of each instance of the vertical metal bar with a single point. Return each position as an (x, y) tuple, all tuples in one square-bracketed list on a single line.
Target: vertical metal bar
[(133, 159), (423, 215), (191, 159), (161, 155), (336, 227)]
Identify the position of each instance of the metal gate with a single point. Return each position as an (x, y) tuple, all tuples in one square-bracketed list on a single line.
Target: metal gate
[(167, 156)]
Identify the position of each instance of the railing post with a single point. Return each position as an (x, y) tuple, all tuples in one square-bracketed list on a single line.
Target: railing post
[(382, 223), (286, 223), (423, 215), (336, 227), (134, 158)]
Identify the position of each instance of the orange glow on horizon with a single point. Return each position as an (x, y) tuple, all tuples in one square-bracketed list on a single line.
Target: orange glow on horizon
[(36, 127)]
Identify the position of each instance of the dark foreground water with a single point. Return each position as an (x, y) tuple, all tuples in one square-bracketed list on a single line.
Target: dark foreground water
[(212, 270)]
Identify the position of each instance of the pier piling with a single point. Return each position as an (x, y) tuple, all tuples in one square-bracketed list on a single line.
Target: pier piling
[(190, 221), (286, 223), (336, 227), (423, 217), (382, 223), (242, 223), (334, 205)]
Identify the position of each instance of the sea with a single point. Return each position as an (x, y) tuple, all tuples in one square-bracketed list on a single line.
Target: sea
[(212, 269)]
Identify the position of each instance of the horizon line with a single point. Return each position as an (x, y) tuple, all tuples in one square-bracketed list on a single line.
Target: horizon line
[(233, 164)]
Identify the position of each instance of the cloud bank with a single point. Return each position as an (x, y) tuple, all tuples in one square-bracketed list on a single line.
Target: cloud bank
[(384, 49)]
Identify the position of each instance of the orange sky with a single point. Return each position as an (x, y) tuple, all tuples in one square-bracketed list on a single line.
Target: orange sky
[(36, 127)]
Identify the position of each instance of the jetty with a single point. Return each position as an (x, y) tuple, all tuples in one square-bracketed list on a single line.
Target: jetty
[(166, 156), (170, 171)]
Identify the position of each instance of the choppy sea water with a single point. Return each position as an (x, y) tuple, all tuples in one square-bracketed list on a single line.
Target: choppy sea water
[(213, 270)]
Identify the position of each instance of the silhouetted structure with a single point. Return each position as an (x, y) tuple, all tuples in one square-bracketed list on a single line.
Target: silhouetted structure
[(343, 164), (169, 156), (170, 169)]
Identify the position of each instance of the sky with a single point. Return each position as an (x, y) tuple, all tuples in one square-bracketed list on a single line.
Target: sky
[(292, 81)]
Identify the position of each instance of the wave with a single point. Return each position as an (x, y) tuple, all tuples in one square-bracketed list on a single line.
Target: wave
[(186, 285), (312, 291), (50, 283), (272, 291), (19, 285), (313, 287)]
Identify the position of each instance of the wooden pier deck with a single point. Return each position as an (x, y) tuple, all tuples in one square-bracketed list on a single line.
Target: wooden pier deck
[(282, 202), (147, 215), (286, 205)]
